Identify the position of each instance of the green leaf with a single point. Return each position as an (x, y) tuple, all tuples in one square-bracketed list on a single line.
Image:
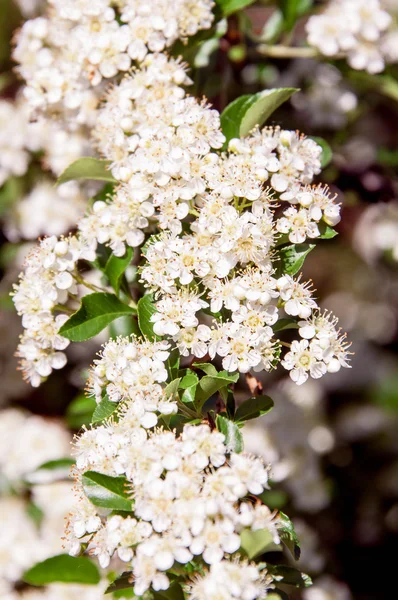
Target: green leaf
[(289, 576), (327, 152), (210, 384), (208, 368), (288, 535), (145, 310), (172, 388), (255, 543), (63, 568), (96, 312), (173, 364), (87, 168), (233, 435), (228, 7), (120, 583), (60, 463), (244, 113), (327, 233), (253, 408), (104, 410), (292, 258), (283, 324), (80, 411), (189, 384), (35, 513), (106, 491), (115, 268)]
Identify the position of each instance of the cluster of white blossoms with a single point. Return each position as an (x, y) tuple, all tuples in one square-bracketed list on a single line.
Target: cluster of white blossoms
[(46, 284), (363, 31), (219, 222), (128, 369), (190, 496), (66, 55)]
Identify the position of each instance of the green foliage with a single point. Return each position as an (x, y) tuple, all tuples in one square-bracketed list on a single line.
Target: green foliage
[(233, 435), (253, 408), (103, 410), (63, 568), (96, 312), (173, 593), (80, 411), (255, 543), (327, 233), (145, 310), (289, 576), (115, 268), (121, 583), (189, 384), (244, 113), (210, 384), (291, 258), (106, 491), (172, 388), (87, 168), (228, 7), (289, 536), (327, 152)]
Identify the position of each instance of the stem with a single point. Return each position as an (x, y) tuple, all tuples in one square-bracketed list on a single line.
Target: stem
[(287, 51), (285, 344), (187, 411), (90, 286), (64, 309)]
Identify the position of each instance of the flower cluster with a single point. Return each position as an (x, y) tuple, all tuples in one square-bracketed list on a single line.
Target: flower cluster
[(66, 55), (130, 369), (361, 30), (237, 579), (190, 500), (44, 287)]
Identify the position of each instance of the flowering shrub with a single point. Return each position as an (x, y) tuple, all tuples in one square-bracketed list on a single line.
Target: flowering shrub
[(190, 226)]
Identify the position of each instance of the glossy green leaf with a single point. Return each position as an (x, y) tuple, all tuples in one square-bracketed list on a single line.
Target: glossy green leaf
[(145, 310), (289, 576), (288, 535), (210, 384), (253, 408), (207, 368), (171, 389), (189, 384), (63, 568), (107, 492), (327, 152), (255, 543), (87, 168), (291, 258), (96, 312), (173, 364), (228, 7), (104, 410), (115, 268), (121, 583), (233, 435), (327, 233), (244, 113)]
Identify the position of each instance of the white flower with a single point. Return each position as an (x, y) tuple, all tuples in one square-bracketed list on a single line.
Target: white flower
[(304, 359)]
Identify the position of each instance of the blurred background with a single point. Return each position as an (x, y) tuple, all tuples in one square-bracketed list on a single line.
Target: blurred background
[(332, 442)]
